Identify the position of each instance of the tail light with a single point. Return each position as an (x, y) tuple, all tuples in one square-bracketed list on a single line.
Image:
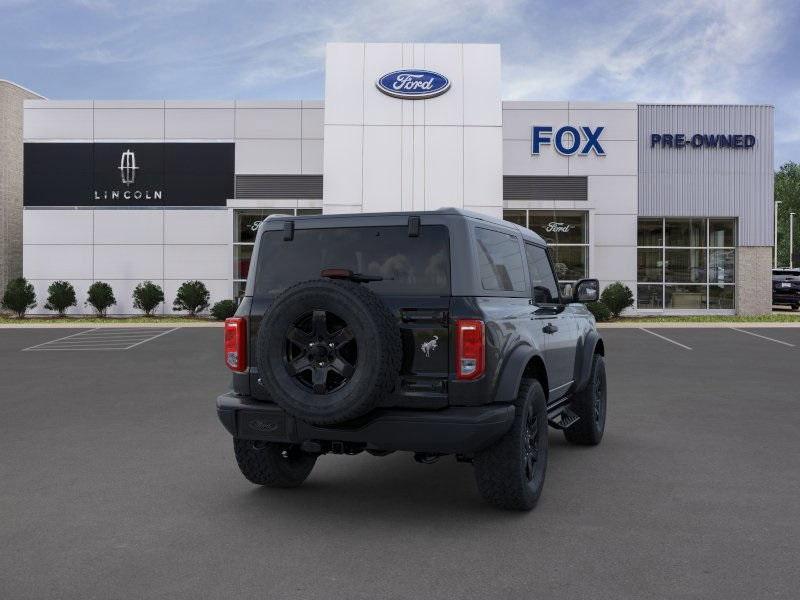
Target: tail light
[(470, 349), (236, 344)]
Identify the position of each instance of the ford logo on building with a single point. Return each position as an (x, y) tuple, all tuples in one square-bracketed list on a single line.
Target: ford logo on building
[(413, 84)]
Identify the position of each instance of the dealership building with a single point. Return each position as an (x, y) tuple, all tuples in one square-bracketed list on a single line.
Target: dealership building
[(674, 200)]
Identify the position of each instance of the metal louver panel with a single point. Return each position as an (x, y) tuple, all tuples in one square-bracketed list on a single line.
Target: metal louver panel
[(544, 188), (271, 187)]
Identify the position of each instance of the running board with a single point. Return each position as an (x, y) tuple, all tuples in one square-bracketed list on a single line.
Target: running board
[(562, 418)]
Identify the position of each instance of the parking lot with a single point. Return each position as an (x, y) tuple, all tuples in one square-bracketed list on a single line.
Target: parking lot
[(117, 481)]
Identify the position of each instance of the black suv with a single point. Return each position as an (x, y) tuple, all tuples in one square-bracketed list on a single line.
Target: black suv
[(786, 287), (437, 332)]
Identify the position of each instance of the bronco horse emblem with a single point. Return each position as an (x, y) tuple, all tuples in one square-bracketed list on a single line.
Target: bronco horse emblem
[(430, 346)]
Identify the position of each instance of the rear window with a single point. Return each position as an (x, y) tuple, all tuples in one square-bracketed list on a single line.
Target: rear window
[(410, 266), (784, 273)]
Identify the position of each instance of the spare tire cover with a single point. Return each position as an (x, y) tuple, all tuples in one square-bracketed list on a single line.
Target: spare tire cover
[(328, 351)]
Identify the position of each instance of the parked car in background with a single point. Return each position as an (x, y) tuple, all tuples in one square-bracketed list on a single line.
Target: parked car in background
[(786, 287)]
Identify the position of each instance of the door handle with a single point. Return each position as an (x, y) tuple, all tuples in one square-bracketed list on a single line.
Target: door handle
[(549, 328)]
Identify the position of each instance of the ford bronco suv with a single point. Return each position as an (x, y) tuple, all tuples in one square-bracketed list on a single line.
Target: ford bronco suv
[(437, 333)]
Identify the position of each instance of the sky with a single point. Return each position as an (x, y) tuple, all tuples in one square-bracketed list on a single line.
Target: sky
[(713, 51)]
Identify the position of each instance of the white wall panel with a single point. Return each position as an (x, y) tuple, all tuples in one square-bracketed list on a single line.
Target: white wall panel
[(517, 160), (128, 261), (57, 226), (58, 123), (614, 263), (57, 262), (614, 230), (483, 166), (268, 157), (313, 123), (198, 262), (198, 226), (128, 227), (517, 124), (342, 183), (444, 167), (382, 158), (344, 84), (199, 123), (128, 123), (380, 109), (618, 124), (267, 123), (482, 84), (312, 157), (123, 294), (447, 109), (613, 194), (620, 159)]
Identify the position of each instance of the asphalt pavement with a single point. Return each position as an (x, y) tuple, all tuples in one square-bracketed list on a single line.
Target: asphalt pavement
[(117, 481)]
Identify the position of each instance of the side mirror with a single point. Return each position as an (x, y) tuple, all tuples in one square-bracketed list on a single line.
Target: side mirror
[(586, 290)]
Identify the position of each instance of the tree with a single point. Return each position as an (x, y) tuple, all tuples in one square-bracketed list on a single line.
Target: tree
[(617, 297), (60, 296), (192, 296), (19, 297), (147, 296), (223, 309), (101, 297), (787, 191)]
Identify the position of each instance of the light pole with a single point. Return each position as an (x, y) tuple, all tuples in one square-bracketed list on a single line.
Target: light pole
[(777, 202), (791, 239)]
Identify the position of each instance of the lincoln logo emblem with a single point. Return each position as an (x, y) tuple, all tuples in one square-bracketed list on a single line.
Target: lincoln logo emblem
[(127, 167)]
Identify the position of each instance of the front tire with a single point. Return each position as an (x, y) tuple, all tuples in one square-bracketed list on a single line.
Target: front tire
[(590, 405), (273, 465), (510, 474)]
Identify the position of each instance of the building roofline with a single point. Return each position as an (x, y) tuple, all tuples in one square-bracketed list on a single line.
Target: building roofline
[(22, 87)]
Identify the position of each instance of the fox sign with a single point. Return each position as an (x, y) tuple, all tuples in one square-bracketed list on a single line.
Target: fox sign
[(568, 140)]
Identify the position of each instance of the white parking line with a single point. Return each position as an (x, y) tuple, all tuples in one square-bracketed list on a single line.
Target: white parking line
[(97, 339), (763, 337), (663, 337)]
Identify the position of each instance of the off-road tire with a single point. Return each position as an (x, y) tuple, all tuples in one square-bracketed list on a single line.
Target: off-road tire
[(374, 330), (504, 476), (273, 465), (590, 405)]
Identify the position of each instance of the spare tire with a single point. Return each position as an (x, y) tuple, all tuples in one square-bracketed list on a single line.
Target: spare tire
[(328, 351)]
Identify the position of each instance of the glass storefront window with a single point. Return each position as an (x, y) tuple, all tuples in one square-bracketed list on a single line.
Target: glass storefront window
[(560, 227), (650, 296), (246, 224), (685, 266), (698, 268), (685, 232), (685, 297), (570, 262), (650, 263), (722, 233), (650, 232), (519, 217)]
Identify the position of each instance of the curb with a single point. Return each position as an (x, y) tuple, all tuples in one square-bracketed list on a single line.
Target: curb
[(79, 325), (712, 325)]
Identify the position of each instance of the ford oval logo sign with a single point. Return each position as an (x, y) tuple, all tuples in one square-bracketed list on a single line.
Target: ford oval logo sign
[(413, 84)]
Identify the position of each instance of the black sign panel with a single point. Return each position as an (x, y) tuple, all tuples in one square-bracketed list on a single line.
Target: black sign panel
[(128, 174)]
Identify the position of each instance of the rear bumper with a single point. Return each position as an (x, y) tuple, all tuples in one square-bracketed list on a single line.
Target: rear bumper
[(453, 430), (786, 297)]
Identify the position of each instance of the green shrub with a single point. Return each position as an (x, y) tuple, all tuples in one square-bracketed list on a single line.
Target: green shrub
[(147, 296), (617, 297), (101, 297), (19, 297), (599, 310), (60, 296), (223, 309), (192, 296)]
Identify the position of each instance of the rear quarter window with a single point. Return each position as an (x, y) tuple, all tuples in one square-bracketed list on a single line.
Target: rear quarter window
[(410, 266), (499, 261)]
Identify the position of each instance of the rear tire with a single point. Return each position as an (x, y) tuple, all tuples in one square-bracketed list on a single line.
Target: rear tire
[(590, 405), (273, 465), (510, 474), (795, 306)]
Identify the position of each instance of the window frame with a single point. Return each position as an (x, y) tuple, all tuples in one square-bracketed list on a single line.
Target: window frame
[(546, 249)]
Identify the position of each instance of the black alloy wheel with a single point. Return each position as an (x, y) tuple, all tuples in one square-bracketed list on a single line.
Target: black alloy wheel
[(321, 352), (530, 445)]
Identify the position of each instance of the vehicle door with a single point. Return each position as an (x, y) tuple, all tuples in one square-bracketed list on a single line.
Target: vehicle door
[(552, 324)]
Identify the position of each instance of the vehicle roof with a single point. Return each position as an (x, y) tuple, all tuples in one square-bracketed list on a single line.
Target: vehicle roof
[(448, 211)]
